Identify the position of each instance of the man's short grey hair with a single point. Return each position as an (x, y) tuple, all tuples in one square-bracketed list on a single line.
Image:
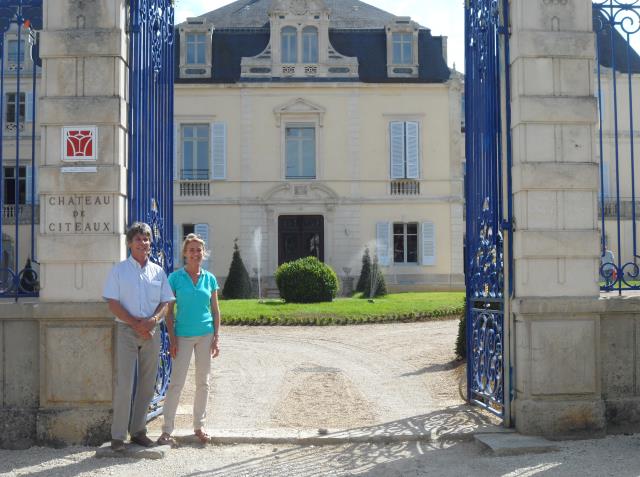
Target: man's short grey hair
[(138, 228)]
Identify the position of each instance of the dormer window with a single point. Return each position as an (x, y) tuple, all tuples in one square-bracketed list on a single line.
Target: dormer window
[(195, 49), (402, 48), (299, 45), (289, 44), (309, 44)]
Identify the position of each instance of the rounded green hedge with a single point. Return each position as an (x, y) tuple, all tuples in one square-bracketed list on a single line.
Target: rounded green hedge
[(306, 280)]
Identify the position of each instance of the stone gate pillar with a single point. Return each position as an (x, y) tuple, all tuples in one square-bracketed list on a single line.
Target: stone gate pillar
[(82, 185), (557, 387), (83, 114)]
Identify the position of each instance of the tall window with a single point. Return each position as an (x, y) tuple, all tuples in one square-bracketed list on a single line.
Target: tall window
[(405, 243), (300, 152), (405, 149), (402, 48), (12, 51), (310, 45), (289, 45), (15, 109), (195, 152), (9, 185), (196, 48)]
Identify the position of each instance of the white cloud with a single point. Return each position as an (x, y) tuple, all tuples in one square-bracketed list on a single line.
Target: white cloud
[(442, 17)]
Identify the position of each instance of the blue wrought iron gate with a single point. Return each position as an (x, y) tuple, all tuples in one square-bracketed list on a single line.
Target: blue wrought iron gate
[(19, 72), (488, 199), (616, 25), (150, 141)]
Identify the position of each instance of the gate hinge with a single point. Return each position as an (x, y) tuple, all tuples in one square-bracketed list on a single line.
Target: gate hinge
[(503, 30), (506, 225)]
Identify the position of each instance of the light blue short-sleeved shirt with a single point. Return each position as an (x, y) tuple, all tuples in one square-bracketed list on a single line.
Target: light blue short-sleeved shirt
[(194, 302), (138, 289)]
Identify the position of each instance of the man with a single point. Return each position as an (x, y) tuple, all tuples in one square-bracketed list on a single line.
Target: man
[(138, 294)]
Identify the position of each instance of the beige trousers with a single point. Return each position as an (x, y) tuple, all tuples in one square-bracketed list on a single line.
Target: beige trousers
[(188, 345), (132, 350)]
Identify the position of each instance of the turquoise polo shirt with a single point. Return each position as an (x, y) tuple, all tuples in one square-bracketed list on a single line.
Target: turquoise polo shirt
[(194, 302)]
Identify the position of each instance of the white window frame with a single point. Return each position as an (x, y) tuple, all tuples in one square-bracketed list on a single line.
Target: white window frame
[(307, 46), (196, 70), (21, 180), (408, 68), (17, 102), (182, 168), (286, 33), (197, 41), (405, 236), (301, 125)]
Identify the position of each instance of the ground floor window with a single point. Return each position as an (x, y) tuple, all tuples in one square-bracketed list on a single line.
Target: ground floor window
[(9, 185), (405, 242)]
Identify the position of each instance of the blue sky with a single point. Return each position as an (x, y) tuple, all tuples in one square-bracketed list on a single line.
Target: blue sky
[(444, 17)]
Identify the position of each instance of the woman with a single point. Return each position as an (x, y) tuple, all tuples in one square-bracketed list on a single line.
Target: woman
[(195, 329)]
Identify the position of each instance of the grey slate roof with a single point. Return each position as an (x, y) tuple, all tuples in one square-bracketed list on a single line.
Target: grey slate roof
[(345, 14)]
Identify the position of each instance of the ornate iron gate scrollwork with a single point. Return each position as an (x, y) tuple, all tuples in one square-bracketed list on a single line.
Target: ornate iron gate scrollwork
[(487, 137), (150, 141)]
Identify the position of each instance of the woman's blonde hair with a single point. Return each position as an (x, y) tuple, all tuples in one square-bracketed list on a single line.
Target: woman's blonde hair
[(194, 238)]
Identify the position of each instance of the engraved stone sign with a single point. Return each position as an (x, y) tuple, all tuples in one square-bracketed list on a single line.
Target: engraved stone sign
[(78, 214)]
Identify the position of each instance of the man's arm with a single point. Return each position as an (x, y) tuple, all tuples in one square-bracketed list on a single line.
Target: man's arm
[(123, 315), (158, 315)]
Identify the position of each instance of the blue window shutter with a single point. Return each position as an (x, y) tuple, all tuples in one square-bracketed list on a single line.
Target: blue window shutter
[(29, 172), (219, 150), (605, 179), (428, 243), (176, 145), (28, 105), (177, 247), (382, 243), (396, 141), (203, 231), (413, 149)]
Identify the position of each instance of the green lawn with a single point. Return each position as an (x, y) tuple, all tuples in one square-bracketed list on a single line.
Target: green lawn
[(342, 311)]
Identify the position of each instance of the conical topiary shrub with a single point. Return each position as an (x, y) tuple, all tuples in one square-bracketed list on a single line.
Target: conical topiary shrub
[(364, 282), (238, 284), (377, 286)]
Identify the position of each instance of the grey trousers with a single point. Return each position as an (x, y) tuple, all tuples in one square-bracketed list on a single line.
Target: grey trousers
[(131, 349), (188, 346)]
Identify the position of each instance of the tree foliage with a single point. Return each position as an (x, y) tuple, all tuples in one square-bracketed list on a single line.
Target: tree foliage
[(238, 283)]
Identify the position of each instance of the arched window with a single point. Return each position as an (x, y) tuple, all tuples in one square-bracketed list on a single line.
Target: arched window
[(289, 45), (310, 45)]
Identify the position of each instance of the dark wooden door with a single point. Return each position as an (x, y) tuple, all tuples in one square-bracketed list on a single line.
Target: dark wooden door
[(300, 236)]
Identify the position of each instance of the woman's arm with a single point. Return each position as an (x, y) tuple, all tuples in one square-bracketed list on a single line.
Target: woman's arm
[(215, 310), (169, 319)]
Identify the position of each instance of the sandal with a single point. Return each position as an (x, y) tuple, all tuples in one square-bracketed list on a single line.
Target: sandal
[(202, 436), (166, 440)]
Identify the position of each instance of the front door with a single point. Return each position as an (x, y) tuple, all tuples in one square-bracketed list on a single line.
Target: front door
[(300, 236)]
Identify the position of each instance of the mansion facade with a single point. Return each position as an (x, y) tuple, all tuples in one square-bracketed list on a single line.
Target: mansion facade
[(304, 127)]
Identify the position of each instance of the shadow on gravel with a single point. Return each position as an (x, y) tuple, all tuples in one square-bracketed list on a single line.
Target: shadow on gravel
[(436, 368), (67, 464), (448, 429)]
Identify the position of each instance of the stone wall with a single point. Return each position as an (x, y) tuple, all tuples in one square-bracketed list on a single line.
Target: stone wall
[(55, 374), (597, 366)]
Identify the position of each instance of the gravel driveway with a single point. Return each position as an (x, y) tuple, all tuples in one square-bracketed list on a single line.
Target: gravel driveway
[(336, 377)]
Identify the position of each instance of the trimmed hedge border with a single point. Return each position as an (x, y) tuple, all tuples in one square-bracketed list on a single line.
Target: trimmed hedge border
[(306, 320)]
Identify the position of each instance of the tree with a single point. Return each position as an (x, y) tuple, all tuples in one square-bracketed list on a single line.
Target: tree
[(377, 284), (364, 282), (238, 283)]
